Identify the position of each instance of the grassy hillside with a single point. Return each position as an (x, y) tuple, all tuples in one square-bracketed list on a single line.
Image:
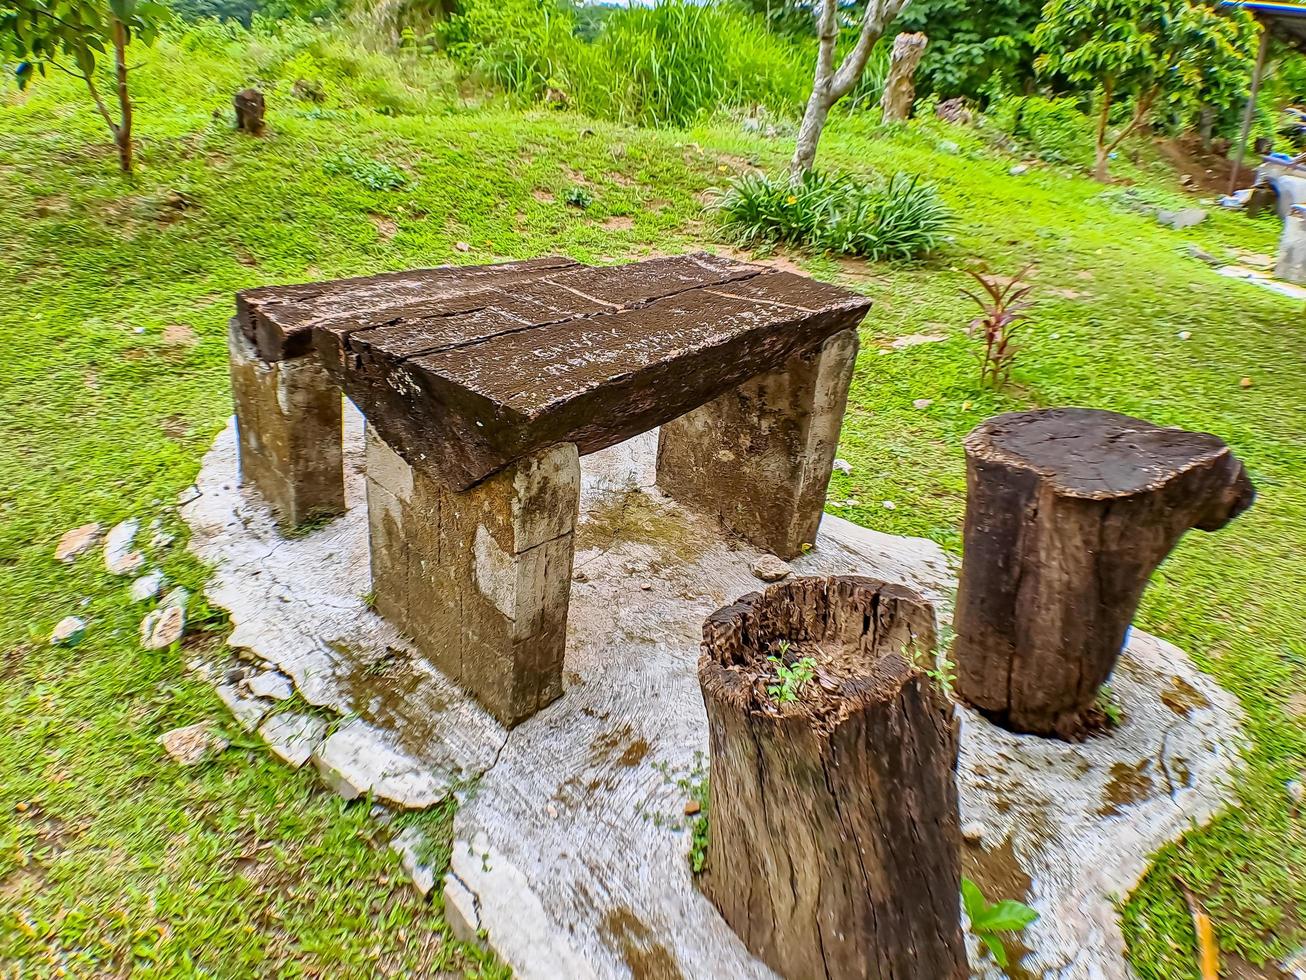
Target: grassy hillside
[(113, 313)]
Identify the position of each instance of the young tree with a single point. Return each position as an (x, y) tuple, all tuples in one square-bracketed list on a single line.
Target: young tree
[(51, 32), (1140, 52), (831, 84)]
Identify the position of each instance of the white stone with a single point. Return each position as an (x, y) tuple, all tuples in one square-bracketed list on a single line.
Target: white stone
[(68, 632), (292, 737), (358, 759), (119, 558), (769, 568), (922, 403), (163, 627), (409, 844), (247, 711), (270, 684), (843, 466), (193, 744), (916, 339), (972, 831), (557, 815), (147, 586), (77, 541)]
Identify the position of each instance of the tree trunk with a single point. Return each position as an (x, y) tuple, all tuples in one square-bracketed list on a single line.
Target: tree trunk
[(1068, 512), (834, 848), (1206, 126), (250, 108), (809, 133), (1101, 153), (900, 88), (122, 133)]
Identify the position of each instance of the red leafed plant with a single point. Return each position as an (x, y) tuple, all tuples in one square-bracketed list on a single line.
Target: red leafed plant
[(1003, 307)]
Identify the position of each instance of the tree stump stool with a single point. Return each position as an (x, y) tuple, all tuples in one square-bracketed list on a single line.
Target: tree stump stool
[(900, 86), (250, 107), (834, 848), (1068, 512)]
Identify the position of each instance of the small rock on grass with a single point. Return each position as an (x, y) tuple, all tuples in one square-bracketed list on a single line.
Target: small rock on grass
[(77, 541), (147, 586), (769, 568), (922, 403), (68, 632), (163, 627), (119, 558), (193, 744), (843, 466)]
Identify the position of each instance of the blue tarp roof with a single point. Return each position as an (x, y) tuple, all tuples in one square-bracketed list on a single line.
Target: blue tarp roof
[(1286, 21)]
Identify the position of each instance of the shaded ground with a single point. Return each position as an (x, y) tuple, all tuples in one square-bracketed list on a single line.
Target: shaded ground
[(115, 301)]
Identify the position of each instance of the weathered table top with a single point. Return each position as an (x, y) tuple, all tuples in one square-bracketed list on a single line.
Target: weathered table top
[(464, 370)]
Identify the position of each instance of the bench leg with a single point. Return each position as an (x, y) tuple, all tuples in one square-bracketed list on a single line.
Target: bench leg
[(759, 457), (480, 579), (288, 424)]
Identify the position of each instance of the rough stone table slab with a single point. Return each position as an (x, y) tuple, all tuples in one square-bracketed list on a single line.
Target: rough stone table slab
[(463, 385), (568, 852)]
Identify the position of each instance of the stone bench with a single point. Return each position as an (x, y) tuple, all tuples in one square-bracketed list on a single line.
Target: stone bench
[(483, 386)]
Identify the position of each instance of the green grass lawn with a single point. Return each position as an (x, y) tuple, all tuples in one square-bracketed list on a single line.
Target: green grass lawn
[(113, 312)]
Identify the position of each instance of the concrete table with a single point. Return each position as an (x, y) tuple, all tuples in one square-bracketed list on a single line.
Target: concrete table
[(483, 386)]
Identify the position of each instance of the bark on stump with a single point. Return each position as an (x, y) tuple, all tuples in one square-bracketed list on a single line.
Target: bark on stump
[(834, 844), (249, 111), (900, 88), (1068, 512)]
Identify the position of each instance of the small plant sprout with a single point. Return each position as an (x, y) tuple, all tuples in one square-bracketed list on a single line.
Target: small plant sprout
[(1003, 309), (1110, 706), (987, 919), (577, 197), (790, 678)]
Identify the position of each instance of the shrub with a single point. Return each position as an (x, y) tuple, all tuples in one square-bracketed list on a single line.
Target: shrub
[(902, 219), (1055, 129), (372, 174)]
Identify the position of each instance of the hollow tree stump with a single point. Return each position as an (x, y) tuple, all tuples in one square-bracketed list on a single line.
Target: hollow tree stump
[(900, 87), (1068, 512), (249, 111), (834, 844)]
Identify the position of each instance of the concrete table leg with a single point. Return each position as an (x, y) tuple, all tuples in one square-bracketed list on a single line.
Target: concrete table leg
[(481, 579), (759, 457), (1291, 266), (288, 422)]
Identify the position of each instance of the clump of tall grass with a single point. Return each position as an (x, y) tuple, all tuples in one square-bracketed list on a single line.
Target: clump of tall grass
[(665, 65), (902, 218), (669, 64)]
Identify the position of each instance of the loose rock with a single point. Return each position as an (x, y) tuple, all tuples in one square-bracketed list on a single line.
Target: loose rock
[(163, 627), (193, 744), (843, 466), (769, 568), (293, 737), (1179, 220), (147, 586), (77, 541), (972, 832), (68, 632), (271, 684), (119, 558), (922, 403), (916, 339), (410, 844)]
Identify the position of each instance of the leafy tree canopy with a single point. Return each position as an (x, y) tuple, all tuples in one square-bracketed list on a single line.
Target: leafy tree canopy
[(976, 46)]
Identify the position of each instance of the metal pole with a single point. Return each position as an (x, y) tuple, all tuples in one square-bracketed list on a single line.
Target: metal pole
[(1251, 107)]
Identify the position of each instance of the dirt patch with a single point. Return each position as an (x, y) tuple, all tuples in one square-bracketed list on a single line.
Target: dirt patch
[(1206, 172), (634, 516), (1181, 697), (543, 196), (1129, 784), (618, 223), (1000, 877), (620, 179), (386, 228), (647, 959), (179, 335)]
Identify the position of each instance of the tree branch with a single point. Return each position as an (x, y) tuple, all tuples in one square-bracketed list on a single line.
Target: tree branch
[(827, 36), (878, 14), (1141, 108)]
